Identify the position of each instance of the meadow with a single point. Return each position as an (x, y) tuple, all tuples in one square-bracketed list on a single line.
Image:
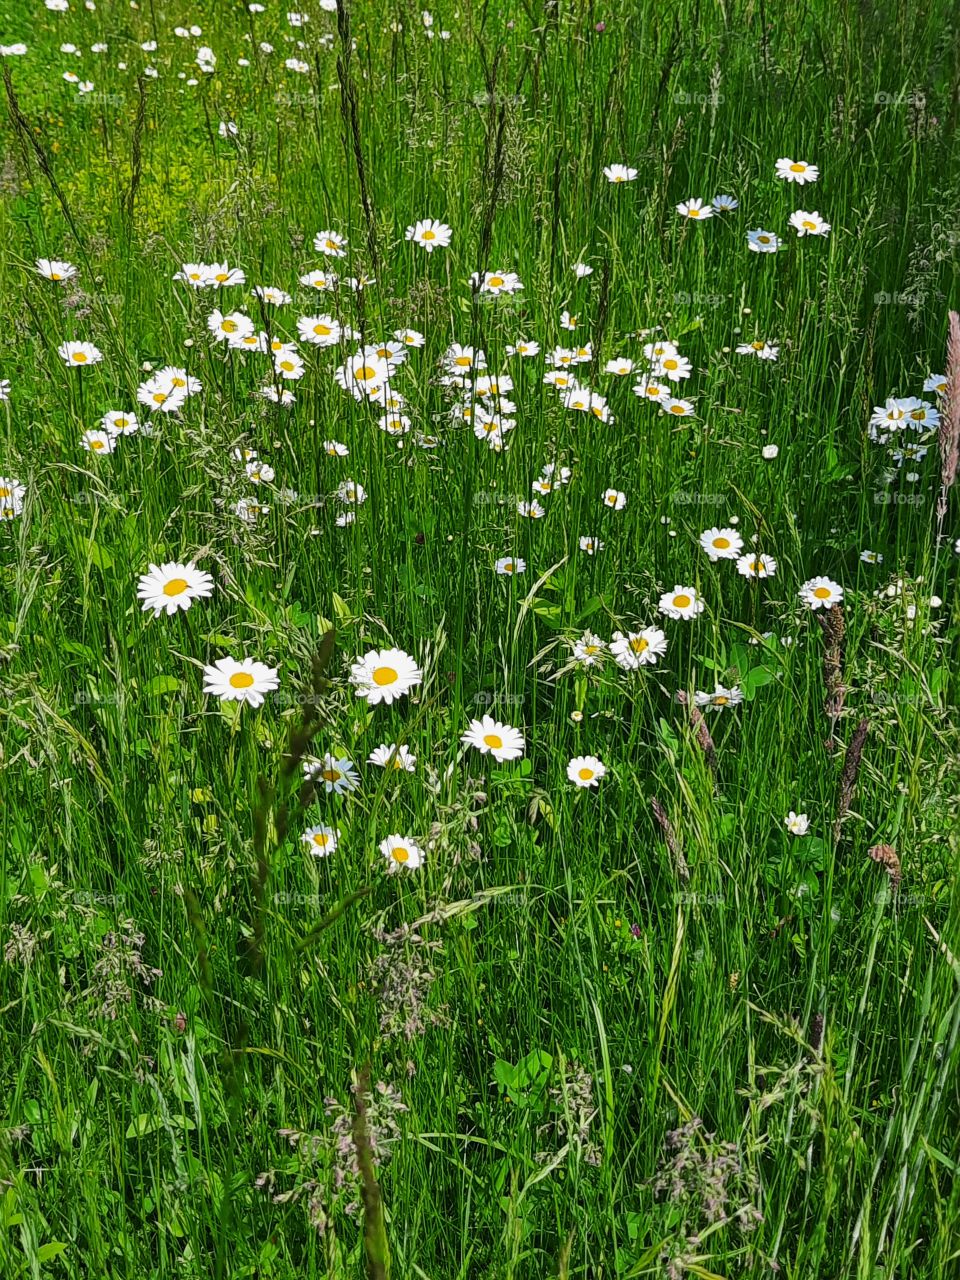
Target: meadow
[(479, 735)]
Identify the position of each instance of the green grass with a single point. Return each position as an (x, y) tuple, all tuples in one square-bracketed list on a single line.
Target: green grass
[(182, 986)]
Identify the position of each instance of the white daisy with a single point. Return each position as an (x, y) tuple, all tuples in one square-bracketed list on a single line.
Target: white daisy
[(681, 602), (383, 675), (170, 587), (491, 737), (244, 681), (586, 771)]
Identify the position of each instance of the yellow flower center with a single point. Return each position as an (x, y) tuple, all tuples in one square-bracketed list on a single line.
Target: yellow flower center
[(693, 213), (55, 275), (639, 644), (175, 587), (365, 373), (80, 357), (493, 740), (241, 680), (400, 854), (822, 593), (670, 364), (428, 235), (322, 330), (495, 282), (331, 775), (331, 244), (763, 239), (797, 168), (159, 397), (221, 276), (677, 408), (287, 366), (721, 701), (721, 543), (810, 226), (681, 602), (385, 675), (96, 444), (321, 839), (229, 326), (462, 361), (585, 775), (757, 346)]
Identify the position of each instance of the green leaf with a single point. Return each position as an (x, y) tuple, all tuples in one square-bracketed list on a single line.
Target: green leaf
[(160, 685)]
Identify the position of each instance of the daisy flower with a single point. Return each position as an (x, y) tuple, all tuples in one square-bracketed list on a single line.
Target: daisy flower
[(614, 499), (761, 241), (53, 269), (319, 331), (490, 737), (619, 366), (673, 367), (681, 602), (591, 545), (797, 171), (720, 697), (430, 234), (390, 756), (169, 587), (234, 325), (510, 565), (383, 675), (330, 243), (754, 566), (762, 350), (12, 494), (638, 649), (79, 354), (119, 424), (98, 441), (524, 348), (821, 593), (275, 297), (697, 209), (721, 544), (531, 510), (586, 771), (619, 173), (496, 282), (322, 280), (321, 841), (725, 204), (244, 681), (335, 772), (401, 853), (589, 649), (220, 275), (676, 408), (797, 824), (809, 224)]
